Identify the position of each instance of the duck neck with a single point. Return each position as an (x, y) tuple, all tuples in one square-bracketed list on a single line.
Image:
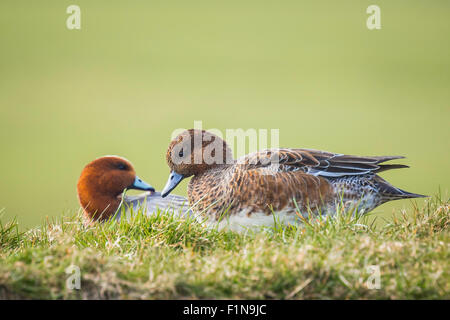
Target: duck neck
[(100, 207)]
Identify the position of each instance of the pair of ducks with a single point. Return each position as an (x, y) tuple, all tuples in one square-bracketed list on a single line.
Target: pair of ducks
[(246, 192)]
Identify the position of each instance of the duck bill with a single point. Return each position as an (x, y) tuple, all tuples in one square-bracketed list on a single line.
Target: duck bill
[(174, 180), (139, 184)]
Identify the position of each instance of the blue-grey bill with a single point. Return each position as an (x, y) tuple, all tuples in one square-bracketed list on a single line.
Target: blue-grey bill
[(139, 184), (174, 180)]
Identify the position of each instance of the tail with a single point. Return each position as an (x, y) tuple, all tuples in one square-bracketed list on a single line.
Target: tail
[(388, 192)]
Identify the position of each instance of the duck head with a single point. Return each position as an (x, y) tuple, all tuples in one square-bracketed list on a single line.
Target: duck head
[(102, 183), (193, 152)]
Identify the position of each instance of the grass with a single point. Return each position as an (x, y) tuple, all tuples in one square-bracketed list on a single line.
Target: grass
[(166, 257)]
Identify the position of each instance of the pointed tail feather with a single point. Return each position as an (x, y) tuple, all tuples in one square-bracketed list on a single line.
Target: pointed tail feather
[(402, 194), (389, 192)]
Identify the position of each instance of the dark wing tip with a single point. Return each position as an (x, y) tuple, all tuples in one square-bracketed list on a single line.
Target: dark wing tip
[(381, 159), (385, 167)]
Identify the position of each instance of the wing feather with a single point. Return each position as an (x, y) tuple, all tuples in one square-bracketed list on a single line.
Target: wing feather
[(316, 162)]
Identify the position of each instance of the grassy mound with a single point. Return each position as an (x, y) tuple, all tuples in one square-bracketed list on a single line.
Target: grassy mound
[(165, 257)]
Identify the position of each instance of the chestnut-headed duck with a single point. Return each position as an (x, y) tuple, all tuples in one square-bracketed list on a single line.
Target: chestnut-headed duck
[(288, 182), (101, 189)]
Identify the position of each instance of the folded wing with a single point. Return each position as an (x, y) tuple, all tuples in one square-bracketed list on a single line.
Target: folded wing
[(316, 162)]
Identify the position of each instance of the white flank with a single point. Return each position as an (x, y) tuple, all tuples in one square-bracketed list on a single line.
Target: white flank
[(241, 222)]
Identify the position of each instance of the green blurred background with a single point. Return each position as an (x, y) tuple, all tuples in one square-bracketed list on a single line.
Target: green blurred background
[(137, 70)]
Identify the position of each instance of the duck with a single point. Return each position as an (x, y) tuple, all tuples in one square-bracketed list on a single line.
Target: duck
[(283, 185), (101, 191)]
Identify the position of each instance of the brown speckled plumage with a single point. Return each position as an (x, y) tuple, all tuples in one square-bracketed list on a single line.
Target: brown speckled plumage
[(316, 180)]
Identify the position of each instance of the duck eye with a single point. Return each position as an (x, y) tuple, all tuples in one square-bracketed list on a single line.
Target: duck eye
[(121, 166), (180, 154)]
